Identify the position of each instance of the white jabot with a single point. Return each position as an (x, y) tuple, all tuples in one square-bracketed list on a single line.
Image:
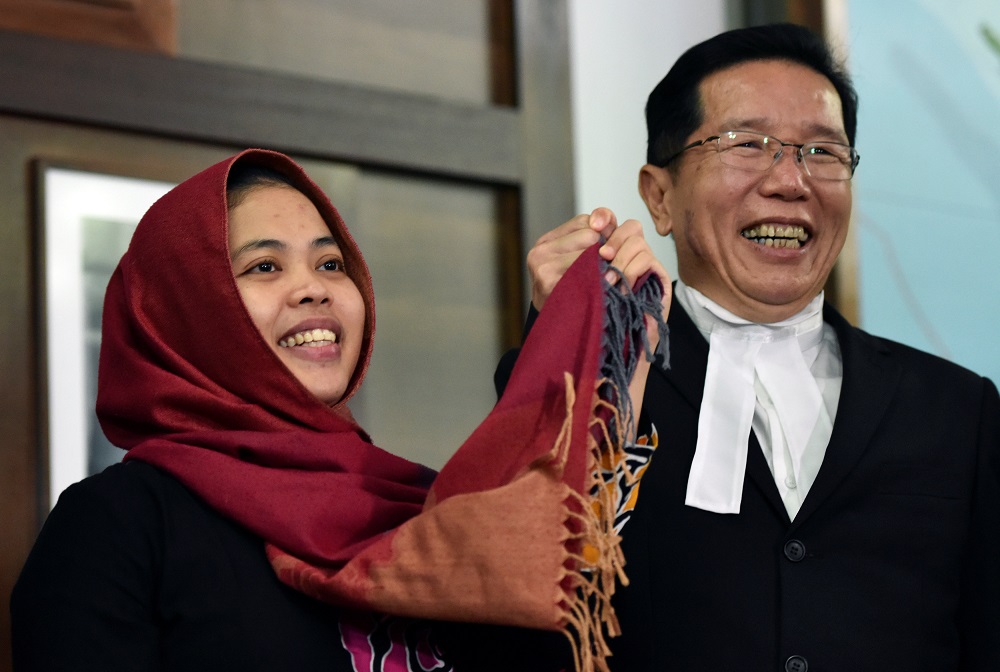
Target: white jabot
[(773, 379)]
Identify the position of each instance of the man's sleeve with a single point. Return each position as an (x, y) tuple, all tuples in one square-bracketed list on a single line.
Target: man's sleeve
[(980, 611), (507, 360)]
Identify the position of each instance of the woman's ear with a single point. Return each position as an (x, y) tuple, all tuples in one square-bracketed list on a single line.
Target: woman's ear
[(655, 184)]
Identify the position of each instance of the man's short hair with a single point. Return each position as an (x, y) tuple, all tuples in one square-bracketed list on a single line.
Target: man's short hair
[(674, 108)]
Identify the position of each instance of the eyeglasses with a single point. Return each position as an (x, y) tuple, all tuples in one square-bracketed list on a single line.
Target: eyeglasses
[(747, 150)]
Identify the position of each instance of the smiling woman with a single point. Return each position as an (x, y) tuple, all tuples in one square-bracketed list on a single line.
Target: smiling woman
[(253, 525), (292, 277)]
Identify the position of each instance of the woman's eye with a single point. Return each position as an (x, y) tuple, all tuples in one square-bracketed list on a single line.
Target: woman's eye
[(332, 265), (264, 267)]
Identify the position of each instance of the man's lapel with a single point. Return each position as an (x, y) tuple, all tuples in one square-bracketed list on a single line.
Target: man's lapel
[(688, 356), (870, 380)]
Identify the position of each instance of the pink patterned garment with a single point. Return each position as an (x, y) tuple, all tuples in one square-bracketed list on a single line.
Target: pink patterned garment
[(380, 643)]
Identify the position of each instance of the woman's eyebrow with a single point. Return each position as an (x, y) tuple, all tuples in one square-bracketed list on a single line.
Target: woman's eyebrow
[(279, 246), (258, 244), (326, 241)]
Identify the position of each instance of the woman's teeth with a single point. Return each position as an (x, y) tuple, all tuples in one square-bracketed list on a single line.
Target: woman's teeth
[(313, 338), (770, 235)]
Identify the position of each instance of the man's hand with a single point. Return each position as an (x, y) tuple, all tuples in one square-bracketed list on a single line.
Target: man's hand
[(625, 248)]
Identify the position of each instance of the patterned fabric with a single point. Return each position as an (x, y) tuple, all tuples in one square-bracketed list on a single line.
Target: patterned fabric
[(387, 644), (621, 478)]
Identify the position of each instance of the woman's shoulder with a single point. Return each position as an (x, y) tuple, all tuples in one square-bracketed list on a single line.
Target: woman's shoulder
[(126, 494), (131, 570), (97, 559), (131, 479), (129, 510)]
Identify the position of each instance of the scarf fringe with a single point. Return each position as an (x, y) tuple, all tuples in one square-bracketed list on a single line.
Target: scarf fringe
[(596, 563)]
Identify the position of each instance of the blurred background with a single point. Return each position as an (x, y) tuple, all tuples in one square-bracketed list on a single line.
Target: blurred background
[(450, 134)]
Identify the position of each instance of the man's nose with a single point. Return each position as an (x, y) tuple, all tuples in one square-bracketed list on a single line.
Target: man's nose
[(797, 157), (787, 178)]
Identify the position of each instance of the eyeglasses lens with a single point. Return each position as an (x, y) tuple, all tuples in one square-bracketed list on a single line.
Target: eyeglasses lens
[(758, 152)]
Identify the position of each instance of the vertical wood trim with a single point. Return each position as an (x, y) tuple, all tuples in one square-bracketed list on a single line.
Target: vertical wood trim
[(39, 327), (542, 36), (509, 243), (843, 283), (19, 413), (503, 57), (510, 264), (808, 13)]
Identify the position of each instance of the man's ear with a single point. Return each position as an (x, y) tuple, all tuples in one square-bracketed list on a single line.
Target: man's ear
[(655, 184)]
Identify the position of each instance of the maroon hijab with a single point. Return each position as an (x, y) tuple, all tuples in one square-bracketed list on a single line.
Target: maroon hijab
[(515, 529)]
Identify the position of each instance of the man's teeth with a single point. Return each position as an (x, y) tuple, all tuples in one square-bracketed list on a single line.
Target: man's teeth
[(770, 235), (312, 338)]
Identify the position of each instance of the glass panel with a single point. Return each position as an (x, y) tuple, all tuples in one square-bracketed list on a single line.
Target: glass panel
[(432, 47), (432, 251), (927, 208), (89, 220)]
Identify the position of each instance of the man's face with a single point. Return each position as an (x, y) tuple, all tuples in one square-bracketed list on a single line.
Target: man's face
[(712, 208)]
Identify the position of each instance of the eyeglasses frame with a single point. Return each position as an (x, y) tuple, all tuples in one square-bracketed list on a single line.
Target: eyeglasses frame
[(855, 157)]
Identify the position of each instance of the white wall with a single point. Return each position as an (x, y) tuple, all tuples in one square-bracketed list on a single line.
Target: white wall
[(619, 50)]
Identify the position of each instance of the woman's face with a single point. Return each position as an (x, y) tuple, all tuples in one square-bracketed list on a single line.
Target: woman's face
[(291, 275)]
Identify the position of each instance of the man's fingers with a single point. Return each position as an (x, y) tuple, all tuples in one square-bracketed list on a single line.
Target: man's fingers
[(578, 223), (628, 230), (634, 259), (629, 252), (556, 250), (603, 221)]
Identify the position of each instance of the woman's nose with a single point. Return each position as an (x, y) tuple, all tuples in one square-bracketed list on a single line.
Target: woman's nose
[(308, 288)]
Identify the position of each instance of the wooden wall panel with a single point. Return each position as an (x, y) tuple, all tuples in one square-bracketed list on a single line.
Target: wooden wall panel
[(185, 99), (146, 25)]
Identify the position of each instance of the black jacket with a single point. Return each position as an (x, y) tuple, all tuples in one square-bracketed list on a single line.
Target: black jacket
[(892, 563), (131, 571)]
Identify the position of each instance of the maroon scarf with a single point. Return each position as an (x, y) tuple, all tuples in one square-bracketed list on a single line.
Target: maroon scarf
[(515, 529)]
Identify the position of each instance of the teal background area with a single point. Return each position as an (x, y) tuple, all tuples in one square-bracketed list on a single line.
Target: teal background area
[(927, 191)]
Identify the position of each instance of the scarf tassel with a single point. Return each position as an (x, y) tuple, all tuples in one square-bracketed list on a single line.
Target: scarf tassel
[(596, 563)]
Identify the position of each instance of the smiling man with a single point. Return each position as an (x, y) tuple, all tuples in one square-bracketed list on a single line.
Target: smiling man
[(818, 498)]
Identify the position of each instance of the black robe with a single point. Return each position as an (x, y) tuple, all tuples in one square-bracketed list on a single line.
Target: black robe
[(892, 563)]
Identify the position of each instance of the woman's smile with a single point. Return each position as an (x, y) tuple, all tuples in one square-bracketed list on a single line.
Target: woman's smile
[(293, 281)]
